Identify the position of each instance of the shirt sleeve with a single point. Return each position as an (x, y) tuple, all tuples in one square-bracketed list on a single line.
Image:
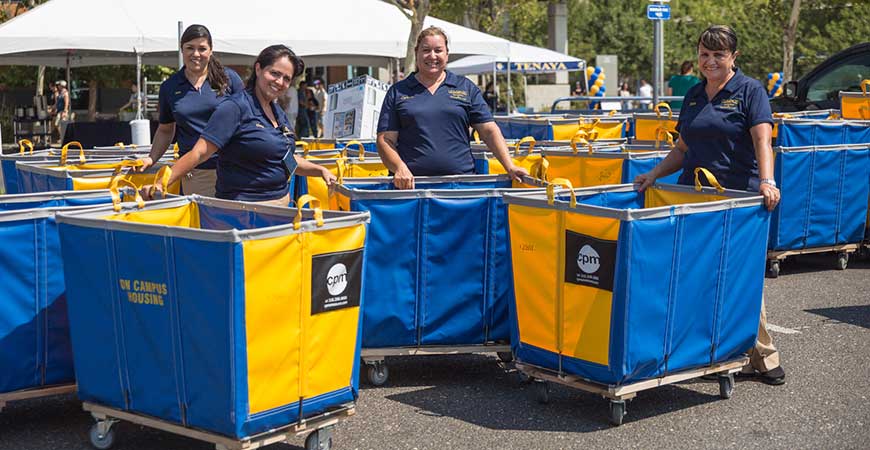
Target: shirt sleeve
[(164, 105), (236, 85), (223, 124), (389, 119), (757, 105), (479, 112)]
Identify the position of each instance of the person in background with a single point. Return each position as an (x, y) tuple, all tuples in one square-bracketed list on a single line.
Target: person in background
[(490, 98), (321, 97), (290, 104), (52, 99), (579, 91), (726, 128), (135, 96), (303, 128), (624, 92), (645, 90), (253, 137), (312, 109), (186, 102), (425, 119), (62, 109), (680, 84)]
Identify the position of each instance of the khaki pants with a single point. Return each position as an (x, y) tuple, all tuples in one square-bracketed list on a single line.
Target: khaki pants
[(283, 201), (764, 356), (200, 182)]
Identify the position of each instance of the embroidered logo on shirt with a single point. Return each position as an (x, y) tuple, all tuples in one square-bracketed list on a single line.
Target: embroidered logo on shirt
[(693, 103), (730, 103), (259, 125), (177, 92), (457, 94), (404, 97)]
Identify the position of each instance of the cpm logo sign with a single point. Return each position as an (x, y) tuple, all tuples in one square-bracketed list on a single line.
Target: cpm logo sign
[(589, 261), (336, 281)]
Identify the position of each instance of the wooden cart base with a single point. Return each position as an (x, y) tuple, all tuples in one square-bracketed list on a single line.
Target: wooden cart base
[(378, 373), (619, 394), (35, 393), (775, 257), (319, 429)]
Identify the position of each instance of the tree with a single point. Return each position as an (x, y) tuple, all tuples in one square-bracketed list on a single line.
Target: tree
[(416, 11), (788, 37)]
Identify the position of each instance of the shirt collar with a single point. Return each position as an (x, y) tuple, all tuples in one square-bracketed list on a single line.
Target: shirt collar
[(450, 79), (730, 87)]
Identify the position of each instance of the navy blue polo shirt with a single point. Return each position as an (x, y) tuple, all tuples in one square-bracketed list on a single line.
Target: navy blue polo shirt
[(717, 131), (250, 150), (190, 108), (433, 128)]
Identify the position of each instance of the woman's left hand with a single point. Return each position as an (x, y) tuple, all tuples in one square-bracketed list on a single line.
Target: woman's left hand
[(771, 195), (517, 173), (328, 176)]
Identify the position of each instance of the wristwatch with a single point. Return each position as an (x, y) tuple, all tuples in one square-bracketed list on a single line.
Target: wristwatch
[(769, 181)]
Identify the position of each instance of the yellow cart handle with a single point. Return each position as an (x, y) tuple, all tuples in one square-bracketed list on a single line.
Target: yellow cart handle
[(304, 146), (162, 178), (175, 153), (362, 149), (526, 140), (476, 137), (114, 190), (864, 85), (551, 191), (315, 203), (584, 137), (65, 149), (710, 178), (664, 105), (662, 134), (25, 143)]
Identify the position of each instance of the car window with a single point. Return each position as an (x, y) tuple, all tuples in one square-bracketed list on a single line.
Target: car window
[(846, 76)]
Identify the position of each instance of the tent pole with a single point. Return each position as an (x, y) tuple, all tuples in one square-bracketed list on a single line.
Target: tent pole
[(68, 81), (510, 91), (525, 91), (180, 32), (139, 83), (495, 85)]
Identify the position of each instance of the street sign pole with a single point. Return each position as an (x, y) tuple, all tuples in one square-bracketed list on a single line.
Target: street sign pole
[(658, 11)]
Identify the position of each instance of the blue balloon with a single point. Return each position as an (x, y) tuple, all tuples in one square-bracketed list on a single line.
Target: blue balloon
[(770, 75), (593, 78), (597, 70)]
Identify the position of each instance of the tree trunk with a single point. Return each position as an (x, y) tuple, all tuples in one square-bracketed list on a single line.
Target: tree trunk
[(40, 80), (92, 100), (419, 12), (788, 40)]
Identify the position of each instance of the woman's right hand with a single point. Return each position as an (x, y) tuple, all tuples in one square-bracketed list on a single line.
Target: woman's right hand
[(403, 178), (146, 163), (644, 181)]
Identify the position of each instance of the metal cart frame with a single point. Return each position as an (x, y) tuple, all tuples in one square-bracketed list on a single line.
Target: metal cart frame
[(319, 429), (618, 394)]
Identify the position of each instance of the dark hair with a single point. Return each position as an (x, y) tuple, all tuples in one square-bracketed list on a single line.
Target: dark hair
[(686, 67), (431, 31), (719, 37), (269, 55), (217, 76)]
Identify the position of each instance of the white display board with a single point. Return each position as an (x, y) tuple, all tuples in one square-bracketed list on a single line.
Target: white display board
[(354, 107)]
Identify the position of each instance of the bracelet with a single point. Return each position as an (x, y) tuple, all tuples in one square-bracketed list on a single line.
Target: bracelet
[(768, 181)]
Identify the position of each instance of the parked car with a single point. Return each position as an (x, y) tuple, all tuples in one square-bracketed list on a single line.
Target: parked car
[(820, 88)]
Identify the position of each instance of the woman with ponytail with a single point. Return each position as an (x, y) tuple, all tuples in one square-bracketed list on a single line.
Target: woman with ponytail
[(187, 100)]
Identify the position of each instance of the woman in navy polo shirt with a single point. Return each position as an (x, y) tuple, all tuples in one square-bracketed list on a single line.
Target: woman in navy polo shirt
[(725, 126), (425, 118), (252, 137), (187, 100)]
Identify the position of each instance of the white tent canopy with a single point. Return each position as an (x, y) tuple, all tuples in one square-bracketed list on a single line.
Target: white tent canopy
[(326, 32), (523, 59)]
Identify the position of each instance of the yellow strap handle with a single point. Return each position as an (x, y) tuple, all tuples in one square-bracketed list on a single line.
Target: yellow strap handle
[(315, 203), (476, 136), (665, 106), (304, 146), (584, 137), (25, 143), (551, 191), (114, 188), (539, 169), (362, 149), (834, 116), (526, 140), (175, 152), (162, 178), (782, 116), (120, 145), (612, 113), (864, 85), (65, 149), (710, 178), (662, 134), (340, 169)]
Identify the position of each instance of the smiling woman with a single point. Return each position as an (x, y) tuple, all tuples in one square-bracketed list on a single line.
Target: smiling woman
[(253, 137)]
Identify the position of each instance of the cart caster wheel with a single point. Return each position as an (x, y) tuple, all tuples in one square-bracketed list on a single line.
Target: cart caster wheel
[(773, 269), (726, 385), (542, 391), (617, 412), (314, 441), (99, 440), (842, 261), (505, 356), (378, 373)]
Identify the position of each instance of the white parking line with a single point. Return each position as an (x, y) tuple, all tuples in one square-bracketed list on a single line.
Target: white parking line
[(779, 329)]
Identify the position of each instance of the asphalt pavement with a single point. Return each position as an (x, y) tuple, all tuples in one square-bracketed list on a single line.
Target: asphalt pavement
[(820, 322)]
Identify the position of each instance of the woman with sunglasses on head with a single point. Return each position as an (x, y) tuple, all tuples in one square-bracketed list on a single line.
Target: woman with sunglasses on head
[(186, 102), (725, 126), (252, 137)]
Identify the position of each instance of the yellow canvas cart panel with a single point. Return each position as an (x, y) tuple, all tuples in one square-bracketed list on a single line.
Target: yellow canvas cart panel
[(855, 105)]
